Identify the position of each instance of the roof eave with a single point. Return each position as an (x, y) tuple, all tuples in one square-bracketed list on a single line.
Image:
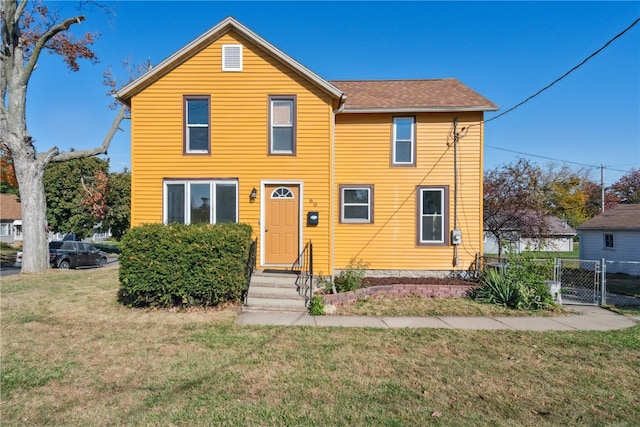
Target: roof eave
[(125, 94), (403, 110)]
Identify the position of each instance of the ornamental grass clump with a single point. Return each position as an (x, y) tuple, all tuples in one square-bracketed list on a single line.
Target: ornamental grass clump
[(520, 286)]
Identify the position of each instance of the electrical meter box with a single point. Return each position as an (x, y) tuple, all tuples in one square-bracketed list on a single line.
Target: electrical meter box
[(456, 237), (312, 218)]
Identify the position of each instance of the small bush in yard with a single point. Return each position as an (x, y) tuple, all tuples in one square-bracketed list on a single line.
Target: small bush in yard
[(351, 278), (183, 265), (521, 286), (316, 308)]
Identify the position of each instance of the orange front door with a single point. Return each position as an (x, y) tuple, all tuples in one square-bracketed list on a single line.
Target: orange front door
[(281, 228)]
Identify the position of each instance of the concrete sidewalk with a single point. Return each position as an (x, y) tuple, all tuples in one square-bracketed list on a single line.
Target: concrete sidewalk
[(586, 318)]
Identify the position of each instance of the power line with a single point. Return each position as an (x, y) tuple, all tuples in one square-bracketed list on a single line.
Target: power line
[(565, 74), (554, 159)]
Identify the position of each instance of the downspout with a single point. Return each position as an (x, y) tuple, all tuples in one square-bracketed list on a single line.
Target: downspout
[(332, 204), (456, 137)]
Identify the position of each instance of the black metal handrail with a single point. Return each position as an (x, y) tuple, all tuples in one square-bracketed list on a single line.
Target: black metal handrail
[(303, 267), (251, 265)]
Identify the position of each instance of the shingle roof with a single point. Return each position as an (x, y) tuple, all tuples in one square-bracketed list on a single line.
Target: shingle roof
[(619, 217), (412, 95), (10, 207)]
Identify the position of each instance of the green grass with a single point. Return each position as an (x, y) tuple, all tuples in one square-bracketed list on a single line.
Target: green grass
[(71, 355)]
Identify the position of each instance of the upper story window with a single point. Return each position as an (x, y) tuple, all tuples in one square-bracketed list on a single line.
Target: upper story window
[(282, 125), (403, 146), (432, 218), (608, 241), (232, 57), (200, 201), (356, 203), (197, 129)]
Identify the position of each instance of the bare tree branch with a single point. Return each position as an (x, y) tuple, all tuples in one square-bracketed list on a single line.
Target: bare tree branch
[(19, 10), (64, 156), (42, 41)]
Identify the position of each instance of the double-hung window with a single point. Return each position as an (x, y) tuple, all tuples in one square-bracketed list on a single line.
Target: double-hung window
[(200, 201), (197, 129), (608, 241), (356, 203), (282, 125), (432, 217), (403, 146)]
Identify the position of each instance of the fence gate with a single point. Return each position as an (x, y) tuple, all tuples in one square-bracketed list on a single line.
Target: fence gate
[(580, 280)]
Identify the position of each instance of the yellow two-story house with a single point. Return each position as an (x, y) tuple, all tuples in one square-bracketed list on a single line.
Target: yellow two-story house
[(230, 128)]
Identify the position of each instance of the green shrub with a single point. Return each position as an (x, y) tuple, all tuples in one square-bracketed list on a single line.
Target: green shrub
[(183, 265), (351, 278), (520, 286), (316, 308)]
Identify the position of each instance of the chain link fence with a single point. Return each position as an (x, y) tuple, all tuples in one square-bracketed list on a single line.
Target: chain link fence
[(587, 281), (622, 283)]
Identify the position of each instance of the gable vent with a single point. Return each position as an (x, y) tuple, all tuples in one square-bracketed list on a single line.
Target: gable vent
[(232, 57)]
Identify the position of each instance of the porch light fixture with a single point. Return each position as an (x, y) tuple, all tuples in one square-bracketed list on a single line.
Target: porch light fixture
[(254, 194)]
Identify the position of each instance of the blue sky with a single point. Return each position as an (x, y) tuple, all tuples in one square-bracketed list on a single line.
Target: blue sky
[(506, 51)]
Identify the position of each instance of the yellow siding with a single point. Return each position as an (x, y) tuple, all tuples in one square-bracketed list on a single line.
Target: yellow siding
[(239, 151), (363, 156), (239, 136)]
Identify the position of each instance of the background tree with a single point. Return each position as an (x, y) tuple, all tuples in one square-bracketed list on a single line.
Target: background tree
[(26, 34), (627, 188), (514, 204), (118, 202), (75, 195), (8, 181), (564, 191)]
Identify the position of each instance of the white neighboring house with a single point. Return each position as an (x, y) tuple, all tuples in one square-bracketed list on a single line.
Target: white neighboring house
[(613, 235), (559, 239), (10, 219)]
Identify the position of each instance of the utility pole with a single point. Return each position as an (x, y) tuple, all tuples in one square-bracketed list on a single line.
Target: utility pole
[(601, 188)]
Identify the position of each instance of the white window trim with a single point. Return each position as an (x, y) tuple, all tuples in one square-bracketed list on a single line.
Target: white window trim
[(292, 126), (604, 241), (369, 204), (412, 141), (226, 50), (443, 215), (187, 201), (188, 125)]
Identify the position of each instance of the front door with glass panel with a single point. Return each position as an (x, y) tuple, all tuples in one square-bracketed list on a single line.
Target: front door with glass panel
[(281, 227)]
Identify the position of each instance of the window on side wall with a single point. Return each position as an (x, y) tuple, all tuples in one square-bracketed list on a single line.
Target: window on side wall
[(200, 201), (197, 129), (432, 218), (282, 125), (356, 204), (403, 144), (608, 241)]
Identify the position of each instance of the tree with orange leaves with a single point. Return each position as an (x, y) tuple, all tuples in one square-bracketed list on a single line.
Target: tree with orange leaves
[(8, 181), (26, 34)]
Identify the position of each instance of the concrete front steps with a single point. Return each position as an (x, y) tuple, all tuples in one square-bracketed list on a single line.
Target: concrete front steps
[(274, 291)]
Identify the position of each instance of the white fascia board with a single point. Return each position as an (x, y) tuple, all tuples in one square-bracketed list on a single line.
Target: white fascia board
[(418, 110)]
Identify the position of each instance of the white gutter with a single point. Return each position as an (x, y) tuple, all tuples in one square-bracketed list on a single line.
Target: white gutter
[(404, 110)]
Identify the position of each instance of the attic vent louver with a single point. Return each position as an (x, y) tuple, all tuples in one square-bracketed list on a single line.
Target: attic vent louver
[(232, 57)]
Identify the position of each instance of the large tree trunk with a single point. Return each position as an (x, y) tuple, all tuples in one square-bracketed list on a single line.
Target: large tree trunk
[(34, 214)]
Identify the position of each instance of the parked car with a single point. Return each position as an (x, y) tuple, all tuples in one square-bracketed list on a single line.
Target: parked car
[(71, 254)]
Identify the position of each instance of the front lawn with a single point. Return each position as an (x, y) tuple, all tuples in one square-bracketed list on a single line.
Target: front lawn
[(71, 355)]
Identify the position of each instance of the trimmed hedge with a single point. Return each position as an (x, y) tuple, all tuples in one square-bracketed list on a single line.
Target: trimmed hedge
[(183, 265)]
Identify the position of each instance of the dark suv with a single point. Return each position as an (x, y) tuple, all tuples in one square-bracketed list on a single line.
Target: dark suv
[(71, 254)]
